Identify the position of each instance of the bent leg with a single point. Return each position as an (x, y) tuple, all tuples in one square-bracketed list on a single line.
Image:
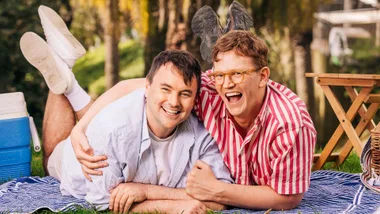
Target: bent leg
[(59, 120)]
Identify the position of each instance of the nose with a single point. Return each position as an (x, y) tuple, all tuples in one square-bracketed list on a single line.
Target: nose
[(173, 100), (227, 82)]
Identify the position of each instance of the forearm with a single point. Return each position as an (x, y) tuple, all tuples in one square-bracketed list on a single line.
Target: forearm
[(119, 90), (155, 192), (254, 197), (154, 206)]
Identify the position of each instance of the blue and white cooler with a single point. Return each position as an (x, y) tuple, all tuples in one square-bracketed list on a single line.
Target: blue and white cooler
[(16, 130)]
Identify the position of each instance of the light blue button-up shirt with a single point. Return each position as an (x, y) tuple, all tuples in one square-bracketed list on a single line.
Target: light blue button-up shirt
[(120, 132)]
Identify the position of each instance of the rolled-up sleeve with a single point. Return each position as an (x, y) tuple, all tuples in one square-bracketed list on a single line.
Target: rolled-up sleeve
[(98, 191)]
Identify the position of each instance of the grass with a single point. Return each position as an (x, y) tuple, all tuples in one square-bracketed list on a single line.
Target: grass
[(89, 70), (351, 165)]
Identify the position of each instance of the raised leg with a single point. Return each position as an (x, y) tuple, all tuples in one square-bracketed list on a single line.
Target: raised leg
[(59, 120)]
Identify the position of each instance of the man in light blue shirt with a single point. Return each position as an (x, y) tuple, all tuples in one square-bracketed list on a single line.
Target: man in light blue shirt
[(149, 136)]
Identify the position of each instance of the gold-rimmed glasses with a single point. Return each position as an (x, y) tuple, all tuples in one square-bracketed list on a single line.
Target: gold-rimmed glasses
[(236, 76)]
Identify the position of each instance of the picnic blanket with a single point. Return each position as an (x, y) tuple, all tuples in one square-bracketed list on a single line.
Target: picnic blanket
[(329, 192), (29, 194)]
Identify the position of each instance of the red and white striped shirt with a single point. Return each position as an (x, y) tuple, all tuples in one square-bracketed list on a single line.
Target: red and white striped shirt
[(277, 151)]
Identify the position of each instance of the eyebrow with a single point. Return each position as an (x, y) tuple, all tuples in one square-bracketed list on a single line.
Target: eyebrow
[(232, 70), (169, 86)]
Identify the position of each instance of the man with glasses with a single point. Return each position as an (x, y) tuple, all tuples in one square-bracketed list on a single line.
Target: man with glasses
[(263, 130)]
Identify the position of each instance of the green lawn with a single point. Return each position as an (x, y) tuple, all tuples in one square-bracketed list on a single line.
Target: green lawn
[(89, 70)]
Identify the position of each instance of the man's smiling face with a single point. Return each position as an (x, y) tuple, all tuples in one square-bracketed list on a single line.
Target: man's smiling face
[(245, 97), (169, 99)]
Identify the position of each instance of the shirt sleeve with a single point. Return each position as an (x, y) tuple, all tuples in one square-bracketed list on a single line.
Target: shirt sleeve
[(203, 100), (98, 191), (291, 160), (210, 154)]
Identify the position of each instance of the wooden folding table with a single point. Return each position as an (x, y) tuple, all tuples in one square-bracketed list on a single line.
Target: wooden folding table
[(361, 90)]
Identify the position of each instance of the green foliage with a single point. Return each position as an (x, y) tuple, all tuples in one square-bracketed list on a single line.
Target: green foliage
[(89, 70), (16, 18), (86, 26), (365, 58)]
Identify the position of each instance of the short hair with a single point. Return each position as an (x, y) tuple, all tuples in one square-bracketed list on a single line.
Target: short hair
[(245, 43), (184, 62)]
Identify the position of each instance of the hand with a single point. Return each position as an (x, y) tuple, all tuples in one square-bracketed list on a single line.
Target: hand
[(125, 194), (189, 207), (201, 182), (84, 154)]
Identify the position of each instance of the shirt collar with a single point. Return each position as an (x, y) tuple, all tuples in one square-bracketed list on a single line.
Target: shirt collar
[(183, 128), (264, 108), (145, 140)]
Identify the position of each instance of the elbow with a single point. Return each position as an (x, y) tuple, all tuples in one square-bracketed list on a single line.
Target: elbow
[(289, 202)]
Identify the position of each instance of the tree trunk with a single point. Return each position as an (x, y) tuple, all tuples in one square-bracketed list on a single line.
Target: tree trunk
[(157, 29), (175, 35), (302, 61), (111, 41)]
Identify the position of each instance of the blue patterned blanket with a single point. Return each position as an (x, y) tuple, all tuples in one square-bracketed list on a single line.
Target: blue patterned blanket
[(330, 192), (29, 194)]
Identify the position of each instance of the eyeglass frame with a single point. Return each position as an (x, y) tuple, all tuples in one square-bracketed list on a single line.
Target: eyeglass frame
[(230, 74)]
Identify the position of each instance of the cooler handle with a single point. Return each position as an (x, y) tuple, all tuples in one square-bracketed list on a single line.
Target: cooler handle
[(34, 133)]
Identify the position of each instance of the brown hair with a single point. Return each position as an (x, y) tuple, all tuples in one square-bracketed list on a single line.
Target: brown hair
[(185, 63), (245, 43)]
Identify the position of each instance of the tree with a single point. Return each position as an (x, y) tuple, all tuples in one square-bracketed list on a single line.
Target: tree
[(111, 42), (109, 13), (157, 28)]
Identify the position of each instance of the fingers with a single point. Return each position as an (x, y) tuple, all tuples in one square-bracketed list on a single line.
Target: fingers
[(112, 198), (128, 205), (117, 201), (94, 165), (81, 155), (88, 171), (84, 169), (123, 202)]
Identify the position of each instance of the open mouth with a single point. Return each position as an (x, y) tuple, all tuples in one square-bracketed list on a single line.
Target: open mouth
[(170, 112), (233, 97)]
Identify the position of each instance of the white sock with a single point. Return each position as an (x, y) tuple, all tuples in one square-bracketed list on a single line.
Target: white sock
[(77, 97)]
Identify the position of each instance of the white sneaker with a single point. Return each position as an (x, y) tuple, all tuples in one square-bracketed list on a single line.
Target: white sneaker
[(40, 55), (59, 37)]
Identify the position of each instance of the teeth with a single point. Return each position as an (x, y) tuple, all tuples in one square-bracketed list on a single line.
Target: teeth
[(170, 111), (231, 94)]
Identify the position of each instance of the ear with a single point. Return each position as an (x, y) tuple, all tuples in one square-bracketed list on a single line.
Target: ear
[(264, 76), (147, 87)]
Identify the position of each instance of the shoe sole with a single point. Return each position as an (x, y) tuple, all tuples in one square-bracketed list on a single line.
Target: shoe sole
[(63, 32), (36, 51), (205, 24), (238, 18)]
